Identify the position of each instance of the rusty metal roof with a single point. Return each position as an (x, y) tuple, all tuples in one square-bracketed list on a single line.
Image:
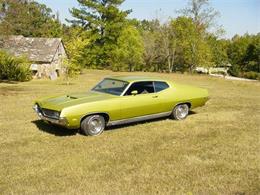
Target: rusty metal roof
[(36, 49)]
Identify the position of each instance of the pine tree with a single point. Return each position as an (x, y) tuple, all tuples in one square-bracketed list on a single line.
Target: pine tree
[(105, 22)]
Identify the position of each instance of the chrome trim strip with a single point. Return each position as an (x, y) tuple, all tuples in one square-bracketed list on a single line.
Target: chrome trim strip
[(54, 121), (41, 116), (140, 118), (127, 87)]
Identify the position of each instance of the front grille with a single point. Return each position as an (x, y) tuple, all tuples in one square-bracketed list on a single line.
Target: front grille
[(50, 113)]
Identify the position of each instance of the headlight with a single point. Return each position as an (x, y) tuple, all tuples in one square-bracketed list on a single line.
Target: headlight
[(56, 114)]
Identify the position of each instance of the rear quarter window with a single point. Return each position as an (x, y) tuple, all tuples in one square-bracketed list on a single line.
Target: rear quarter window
[(142, 87), (160, 86)]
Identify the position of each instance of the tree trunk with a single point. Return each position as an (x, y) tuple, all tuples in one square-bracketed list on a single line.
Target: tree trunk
[(169, 65), (190, 68), (130, 67), (67, 77)]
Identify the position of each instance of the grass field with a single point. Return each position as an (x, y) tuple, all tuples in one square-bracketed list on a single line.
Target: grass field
[(214, 151)]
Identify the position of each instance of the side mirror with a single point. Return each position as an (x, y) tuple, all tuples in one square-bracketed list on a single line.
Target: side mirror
[(135, 92)]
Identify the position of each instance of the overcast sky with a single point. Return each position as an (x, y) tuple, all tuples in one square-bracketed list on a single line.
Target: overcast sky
[(237, 16)]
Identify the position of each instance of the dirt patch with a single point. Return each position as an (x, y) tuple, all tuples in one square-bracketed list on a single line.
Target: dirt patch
[(11, 91)]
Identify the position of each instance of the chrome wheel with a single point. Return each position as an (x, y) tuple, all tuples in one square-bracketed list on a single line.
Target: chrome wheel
[(181, 111), (93, 125)]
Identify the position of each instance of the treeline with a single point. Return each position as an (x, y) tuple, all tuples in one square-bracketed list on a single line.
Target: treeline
[(101, 36), (28, 18)]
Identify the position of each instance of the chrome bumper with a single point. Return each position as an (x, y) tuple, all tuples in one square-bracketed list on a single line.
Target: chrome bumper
[(60, 121)]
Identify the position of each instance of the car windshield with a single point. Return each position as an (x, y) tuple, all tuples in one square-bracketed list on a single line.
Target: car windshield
[(111, 86)]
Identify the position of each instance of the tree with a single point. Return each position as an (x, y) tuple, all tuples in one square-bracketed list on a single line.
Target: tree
[(160, 45), (201, 13), (252, 56), (150, 51), (192, 49), (150, 31), (219, 50), (202, 17), (237, 50), (243, 52), (28, 18), (167, 45), (105, 22), (129, 52), (75, 40)]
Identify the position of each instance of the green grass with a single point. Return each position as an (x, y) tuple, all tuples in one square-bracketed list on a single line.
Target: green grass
[(214, 151)]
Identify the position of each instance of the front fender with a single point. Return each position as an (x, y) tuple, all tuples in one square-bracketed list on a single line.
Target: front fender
[(74, 114)]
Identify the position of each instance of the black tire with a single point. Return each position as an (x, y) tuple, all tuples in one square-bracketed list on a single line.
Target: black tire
[(93, 125), (180, 112)]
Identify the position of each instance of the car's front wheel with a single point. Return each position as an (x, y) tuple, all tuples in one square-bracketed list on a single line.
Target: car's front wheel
[(93, 125), (180, 111)]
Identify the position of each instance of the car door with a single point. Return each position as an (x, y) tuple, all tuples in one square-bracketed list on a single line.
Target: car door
[(145, 102), (165, 99)]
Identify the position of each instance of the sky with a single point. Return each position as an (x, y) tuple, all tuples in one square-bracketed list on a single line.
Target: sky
[(236, 16)]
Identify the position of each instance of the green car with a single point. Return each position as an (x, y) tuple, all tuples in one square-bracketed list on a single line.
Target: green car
[(120, 100)]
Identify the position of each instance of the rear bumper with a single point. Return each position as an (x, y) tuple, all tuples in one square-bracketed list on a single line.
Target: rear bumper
[(61, 121)]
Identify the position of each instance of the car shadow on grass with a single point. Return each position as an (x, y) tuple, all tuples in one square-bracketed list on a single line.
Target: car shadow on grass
[(53, 129)]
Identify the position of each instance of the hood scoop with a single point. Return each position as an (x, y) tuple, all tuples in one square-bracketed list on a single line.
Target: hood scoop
[(71, 97)]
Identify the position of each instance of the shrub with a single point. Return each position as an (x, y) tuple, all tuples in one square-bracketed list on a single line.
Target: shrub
[(234, 70), (14, 68), (251, 75), (71, 69)]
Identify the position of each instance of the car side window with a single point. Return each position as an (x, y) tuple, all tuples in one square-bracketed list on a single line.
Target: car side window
[(141, 88), (160, 86)]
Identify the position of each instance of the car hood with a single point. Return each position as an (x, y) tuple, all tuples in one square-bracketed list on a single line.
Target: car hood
[(60, 102)]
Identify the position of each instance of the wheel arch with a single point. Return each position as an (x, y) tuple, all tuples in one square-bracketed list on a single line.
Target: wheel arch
[(104, 114), (186, 102)]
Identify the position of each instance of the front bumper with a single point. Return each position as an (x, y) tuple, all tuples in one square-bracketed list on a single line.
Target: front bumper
[(61, 121)]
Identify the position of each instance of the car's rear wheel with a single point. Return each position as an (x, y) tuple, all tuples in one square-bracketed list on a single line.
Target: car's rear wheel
[(93, 125), (180, 111)]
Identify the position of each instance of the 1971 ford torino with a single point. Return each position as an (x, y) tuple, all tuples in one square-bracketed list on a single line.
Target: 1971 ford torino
[(120, 100)]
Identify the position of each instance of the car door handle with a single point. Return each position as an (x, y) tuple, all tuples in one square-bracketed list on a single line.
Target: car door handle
[(156, 96)]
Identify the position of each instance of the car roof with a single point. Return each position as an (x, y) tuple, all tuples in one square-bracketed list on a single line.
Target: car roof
[(135, 78)]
